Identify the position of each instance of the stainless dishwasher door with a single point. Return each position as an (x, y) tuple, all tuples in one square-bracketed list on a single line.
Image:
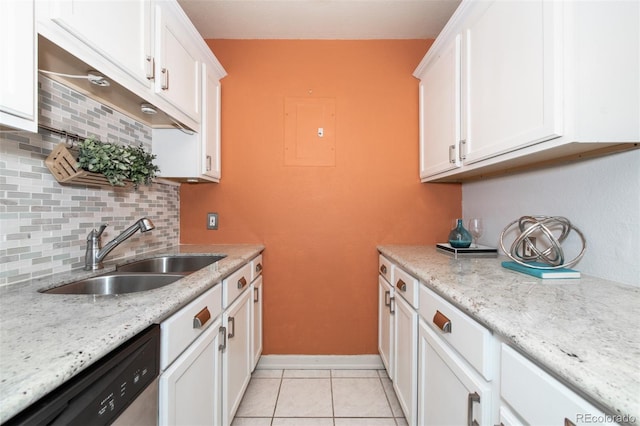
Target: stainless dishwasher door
[(143, 411)]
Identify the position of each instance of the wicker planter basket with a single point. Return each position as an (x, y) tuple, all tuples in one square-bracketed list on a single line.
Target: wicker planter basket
[(63, 165)]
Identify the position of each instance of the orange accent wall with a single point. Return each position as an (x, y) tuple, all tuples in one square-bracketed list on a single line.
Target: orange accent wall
[(320, 224)]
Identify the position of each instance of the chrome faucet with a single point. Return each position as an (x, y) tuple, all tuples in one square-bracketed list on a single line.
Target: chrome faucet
[(95, 253)]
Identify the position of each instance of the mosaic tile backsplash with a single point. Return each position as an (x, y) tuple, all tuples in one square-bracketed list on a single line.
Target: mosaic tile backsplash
[(43, 224)]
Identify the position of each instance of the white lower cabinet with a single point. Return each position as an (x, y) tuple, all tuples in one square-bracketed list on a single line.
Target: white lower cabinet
[(450, 391), (190, 388), (406, 358), (190, 363), (536, 398), (236, 355), (386, 324), (256, 315)]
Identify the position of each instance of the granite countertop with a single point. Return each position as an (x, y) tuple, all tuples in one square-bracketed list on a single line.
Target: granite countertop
[(583, 331), (45, 339)]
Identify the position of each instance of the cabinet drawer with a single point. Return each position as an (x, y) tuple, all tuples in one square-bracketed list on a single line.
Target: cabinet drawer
[(406, 286), (256, 267), (538, 397), (235, 284), (386, 268), (474, 342), (179, 330)]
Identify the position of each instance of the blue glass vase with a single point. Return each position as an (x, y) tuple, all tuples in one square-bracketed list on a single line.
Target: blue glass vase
[(459, 237)]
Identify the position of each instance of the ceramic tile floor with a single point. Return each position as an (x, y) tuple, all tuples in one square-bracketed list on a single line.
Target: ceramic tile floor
[(319, 398)]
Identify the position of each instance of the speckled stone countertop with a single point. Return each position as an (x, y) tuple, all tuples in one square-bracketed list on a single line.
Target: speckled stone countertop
[(583, 331), (45, 339)]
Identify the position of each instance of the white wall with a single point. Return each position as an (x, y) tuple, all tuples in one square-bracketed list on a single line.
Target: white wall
[(600, 196)]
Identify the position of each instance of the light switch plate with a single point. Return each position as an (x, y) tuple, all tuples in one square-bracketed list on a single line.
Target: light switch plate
[(212, 220)]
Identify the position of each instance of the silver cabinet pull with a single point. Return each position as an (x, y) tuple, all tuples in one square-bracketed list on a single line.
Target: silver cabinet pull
[(473, 397), (165, 79), (232, 331), (392, 305), (259, 267), (442, 322), (256, 295), (223, 345), (151, 68), (242, 282), (208, 163), (402, 286), (452, 154), (387, 298), (201, 318), (383, 269), (463, 149)]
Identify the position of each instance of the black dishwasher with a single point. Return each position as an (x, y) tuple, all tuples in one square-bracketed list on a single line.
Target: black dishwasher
[(101, 393)]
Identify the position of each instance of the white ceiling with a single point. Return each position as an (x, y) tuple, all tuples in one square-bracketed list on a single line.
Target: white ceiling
[(319, 19)]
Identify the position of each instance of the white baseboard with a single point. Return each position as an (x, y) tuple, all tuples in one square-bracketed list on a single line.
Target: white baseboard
[(320, 362)]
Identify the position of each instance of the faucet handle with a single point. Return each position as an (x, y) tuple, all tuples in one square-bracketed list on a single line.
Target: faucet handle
[(96, 233)]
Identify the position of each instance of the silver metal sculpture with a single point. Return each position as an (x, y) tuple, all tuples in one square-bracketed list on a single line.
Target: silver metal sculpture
[(524, 249)]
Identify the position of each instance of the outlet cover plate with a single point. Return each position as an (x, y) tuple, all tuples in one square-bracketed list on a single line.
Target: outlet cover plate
[(212, 220)]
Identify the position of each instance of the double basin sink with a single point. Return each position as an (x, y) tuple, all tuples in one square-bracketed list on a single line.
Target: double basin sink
[(141, 275)]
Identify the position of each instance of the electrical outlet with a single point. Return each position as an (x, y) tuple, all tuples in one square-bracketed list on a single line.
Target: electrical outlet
[(528, 252), (212, 220)]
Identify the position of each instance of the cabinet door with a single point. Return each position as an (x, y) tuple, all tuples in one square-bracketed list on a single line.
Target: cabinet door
[(211, 125), (540, 399), (177, 66), (190, 387), (386, 306), (450, 392), (18, 79), (236, 357), (256, 314), (405, 381), (118, 30), (513, 76), (440, 112)]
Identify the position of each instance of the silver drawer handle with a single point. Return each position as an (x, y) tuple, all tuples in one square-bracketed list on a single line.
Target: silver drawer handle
[(232, 331), (201, 318), (402, 286), (383, 269), (473, 397), (256, 295), (387, 298), (242, 282), (223, 345), (259, 267), (442, 322)]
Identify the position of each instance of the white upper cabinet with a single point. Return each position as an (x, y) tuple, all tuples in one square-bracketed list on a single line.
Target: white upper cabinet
[(121, 31), (18, 77), (512, 70), (177, 60), (148, 49), (529, 82), (440, 121)]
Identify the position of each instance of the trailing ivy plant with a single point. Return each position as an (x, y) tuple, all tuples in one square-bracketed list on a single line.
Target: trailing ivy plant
[(117, 162)]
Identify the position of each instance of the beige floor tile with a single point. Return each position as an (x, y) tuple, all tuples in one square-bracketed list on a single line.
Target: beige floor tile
[(307, 373), (396, 409), (367, 421), (251, 421), (267, 374), (260, 398), (302, 421), (354, 373), (359, 397), (304, 398)]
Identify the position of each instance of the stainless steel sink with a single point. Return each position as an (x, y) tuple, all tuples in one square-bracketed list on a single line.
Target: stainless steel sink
[(116, 283), (181, 264)]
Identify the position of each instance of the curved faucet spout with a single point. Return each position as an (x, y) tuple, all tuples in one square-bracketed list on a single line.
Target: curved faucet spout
[(95, 254)]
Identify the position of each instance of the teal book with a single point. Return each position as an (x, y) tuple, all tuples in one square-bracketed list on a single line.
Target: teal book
[(542, 273)]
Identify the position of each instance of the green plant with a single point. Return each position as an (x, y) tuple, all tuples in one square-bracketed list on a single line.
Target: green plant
[(117, 162)]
